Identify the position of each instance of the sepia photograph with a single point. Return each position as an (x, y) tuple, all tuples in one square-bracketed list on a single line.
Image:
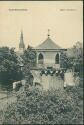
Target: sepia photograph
[(41, 62)]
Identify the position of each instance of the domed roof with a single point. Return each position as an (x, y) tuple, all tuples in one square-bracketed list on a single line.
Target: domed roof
[(48, 44)]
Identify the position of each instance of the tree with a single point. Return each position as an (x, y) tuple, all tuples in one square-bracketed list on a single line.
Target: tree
[(74, 58), (9, 67), (29, 56), (78, 50), (65, 62)]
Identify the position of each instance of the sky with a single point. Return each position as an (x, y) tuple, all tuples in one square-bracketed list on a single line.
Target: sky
[(34, 18)]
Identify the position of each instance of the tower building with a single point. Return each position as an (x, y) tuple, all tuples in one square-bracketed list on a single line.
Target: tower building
[(21, 44)]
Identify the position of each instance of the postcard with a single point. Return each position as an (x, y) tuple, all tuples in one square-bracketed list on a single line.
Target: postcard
[(41, 62)]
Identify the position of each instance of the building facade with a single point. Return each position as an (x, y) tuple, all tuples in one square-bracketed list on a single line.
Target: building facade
[(48, 54)]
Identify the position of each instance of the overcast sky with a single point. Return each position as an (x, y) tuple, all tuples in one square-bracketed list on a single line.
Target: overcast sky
[(64, 19)]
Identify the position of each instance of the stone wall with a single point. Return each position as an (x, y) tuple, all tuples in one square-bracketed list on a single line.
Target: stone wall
[(48, 82), (55, 82)]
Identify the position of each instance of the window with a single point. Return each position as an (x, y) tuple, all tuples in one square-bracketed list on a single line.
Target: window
[(40, 59), (57, 59)]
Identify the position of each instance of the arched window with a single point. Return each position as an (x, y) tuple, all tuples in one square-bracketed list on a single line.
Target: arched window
[(40, 59), (57, 59)]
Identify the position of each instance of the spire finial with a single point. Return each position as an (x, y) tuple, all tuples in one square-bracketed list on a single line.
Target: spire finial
[(48, 32)]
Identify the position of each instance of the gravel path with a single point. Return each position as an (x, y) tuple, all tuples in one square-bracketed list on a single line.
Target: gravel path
[(5, 101)]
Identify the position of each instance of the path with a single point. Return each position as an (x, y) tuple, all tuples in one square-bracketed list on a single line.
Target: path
[(6, 100)]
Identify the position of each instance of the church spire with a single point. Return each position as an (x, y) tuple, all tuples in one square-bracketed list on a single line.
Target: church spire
[(21, 44)]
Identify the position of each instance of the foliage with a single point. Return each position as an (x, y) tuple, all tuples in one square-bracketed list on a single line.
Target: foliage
[(9, 67), (34, 106), (65, 62), (78, 50), (27, 74), (73, 58), (29, 56)]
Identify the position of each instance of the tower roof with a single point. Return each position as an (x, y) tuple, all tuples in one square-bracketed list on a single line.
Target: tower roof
[(21, 44), (48, 44)]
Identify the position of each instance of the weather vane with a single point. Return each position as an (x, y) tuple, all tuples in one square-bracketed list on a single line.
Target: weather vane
[(48, 32)]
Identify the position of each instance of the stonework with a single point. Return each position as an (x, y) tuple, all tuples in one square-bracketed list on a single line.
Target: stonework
[(48, 82)]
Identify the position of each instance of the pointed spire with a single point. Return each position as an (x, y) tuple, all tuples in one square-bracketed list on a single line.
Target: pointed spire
[(48, 32), (21, 44), (21, 37)]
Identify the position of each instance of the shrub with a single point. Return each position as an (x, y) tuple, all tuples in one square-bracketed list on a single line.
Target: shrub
[(34, 106)]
